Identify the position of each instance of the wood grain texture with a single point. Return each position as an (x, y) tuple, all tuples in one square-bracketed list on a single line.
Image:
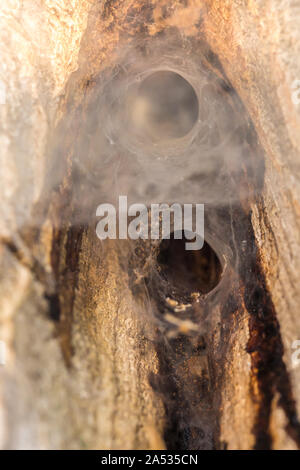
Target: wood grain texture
[(86, 364)]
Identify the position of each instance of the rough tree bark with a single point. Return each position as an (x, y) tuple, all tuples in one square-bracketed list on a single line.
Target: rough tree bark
[(84, 368)]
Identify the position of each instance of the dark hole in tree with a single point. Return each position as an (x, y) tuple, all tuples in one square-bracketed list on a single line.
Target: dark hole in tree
[(189, 271), (165, 106)]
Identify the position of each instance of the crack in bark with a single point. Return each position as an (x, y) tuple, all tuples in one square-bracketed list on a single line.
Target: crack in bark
[(266, 349)]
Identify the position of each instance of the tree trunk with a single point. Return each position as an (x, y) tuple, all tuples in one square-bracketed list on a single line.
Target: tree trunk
[(111, 345)]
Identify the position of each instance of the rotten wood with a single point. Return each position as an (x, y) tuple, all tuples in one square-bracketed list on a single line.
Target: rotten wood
[(87, 367)]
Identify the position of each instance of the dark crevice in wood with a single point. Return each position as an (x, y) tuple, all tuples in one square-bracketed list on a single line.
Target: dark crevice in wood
[(66, 270), (54, 306), (265, 346), (188, 396), (183, 393)]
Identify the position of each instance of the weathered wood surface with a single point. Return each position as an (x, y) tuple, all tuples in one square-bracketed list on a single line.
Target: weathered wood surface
[(84, 368)]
